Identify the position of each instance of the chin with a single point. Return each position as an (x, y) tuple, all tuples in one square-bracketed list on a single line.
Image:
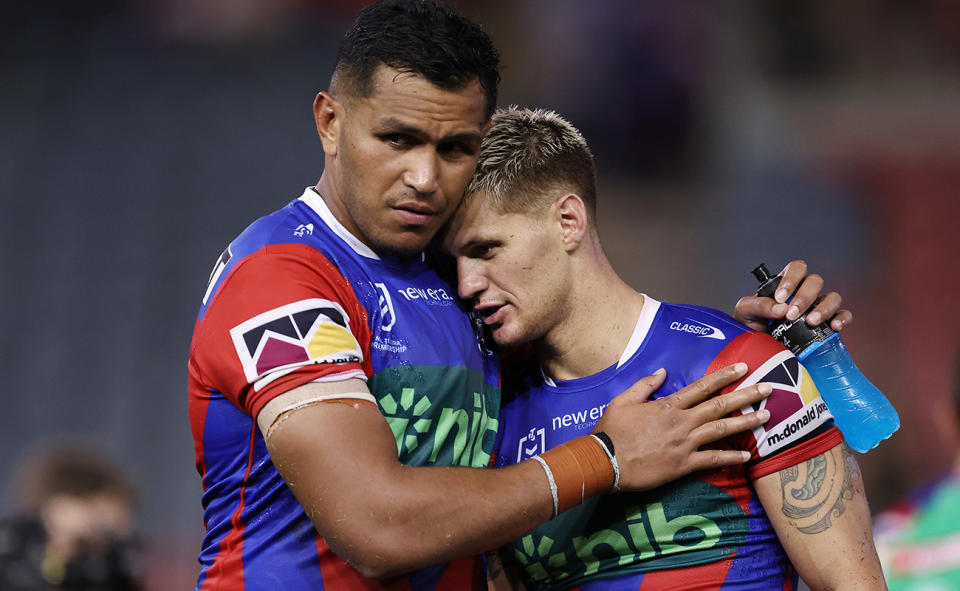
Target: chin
[(507, 338), (402, 248)]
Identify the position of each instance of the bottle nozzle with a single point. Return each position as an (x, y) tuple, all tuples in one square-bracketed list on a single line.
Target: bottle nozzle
[(761, 273)]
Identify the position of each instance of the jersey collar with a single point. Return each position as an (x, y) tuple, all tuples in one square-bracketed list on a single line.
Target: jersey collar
[(315, 202)]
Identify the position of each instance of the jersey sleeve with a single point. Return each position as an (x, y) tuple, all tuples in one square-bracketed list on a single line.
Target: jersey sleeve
[(284, 316), (800, 425)]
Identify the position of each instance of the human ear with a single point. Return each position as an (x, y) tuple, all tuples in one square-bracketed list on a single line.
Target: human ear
[(571, 213), (327, 113)]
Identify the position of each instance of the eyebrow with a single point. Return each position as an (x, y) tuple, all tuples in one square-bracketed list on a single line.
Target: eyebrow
[(394, 125)]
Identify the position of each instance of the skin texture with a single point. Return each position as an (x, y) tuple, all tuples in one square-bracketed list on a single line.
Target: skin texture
[(397, 161), (819, 510), (516, 267)]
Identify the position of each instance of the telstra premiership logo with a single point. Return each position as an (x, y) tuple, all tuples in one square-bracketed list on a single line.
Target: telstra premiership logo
[(698, 329)]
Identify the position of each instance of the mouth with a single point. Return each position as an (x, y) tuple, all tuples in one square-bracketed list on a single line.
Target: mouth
[(415, 214), (492, 314)]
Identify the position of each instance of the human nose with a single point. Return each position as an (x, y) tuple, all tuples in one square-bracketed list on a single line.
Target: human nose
[(422, 174), (471, 281)]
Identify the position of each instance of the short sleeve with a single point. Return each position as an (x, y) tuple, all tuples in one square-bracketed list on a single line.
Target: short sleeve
[(800, 425), (284, 316)]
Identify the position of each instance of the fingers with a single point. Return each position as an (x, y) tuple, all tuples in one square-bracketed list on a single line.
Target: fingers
[(709, 459), (727, 426), (641, 391), (705, 387), (826, 308), (841, 320), (805, 295), (791, 276), (756, 312), (719, 407)]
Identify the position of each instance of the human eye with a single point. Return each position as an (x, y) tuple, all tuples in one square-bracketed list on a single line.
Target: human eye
[(482, 250), (398, 140), (456, 149)]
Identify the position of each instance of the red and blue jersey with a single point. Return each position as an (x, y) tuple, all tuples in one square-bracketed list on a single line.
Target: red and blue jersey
[(295, 299), (708, 531)]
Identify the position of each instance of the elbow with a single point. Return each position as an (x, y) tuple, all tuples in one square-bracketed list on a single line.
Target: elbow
[(377, 569), (378, 557)]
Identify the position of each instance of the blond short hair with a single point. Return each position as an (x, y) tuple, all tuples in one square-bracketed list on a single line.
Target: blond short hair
[(529, 157)]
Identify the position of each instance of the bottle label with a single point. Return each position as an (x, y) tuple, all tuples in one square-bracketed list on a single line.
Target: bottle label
[(797, 335)]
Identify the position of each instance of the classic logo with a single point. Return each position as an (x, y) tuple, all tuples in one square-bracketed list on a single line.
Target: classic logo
[(698, 329), (531, 444), (297, 334)]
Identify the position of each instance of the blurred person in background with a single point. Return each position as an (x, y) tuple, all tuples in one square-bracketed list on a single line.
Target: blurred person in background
[(74, 527), (919, 537), (530, 262)]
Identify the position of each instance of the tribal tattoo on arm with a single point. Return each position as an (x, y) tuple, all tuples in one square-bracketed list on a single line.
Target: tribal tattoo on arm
[(817, 491)]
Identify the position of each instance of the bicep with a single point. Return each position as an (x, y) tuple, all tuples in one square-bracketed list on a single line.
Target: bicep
[(334, 457), (819, 510)]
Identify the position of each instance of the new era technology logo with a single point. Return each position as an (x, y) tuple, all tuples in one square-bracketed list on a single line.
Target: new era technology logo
[(301, 333), (698, 329)]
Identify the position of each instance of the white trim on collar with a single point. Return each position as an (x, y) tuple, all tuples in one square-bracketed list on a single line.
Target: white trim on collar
[(313, 200), (644, 322), (640, 331)]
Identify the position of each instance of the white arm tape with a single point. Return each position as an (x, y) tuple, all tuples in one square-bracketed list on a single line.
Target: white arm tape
[(309, 394)]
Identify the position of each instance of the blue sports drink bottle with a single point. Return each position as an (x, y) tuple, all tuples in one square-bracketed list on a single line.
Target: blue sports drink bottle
[(861, 412)]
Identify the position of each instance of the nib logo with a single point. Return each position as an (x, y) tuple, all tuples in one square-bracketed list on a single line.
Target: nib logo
[(402, 416)]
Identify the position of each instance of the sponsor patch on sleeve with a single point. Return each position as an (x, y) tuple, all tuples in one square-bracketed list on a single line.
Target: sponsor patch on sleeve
[(796, 408), (273, 344)]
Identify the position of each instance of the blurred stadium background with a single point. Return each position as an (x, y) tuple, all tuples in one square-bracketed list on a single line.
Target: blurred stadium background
[(138, 137)]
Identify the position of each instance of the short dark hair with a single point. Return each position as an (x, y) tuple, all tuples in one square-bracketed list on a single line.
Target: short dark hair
[(527, 156), (422, 37)]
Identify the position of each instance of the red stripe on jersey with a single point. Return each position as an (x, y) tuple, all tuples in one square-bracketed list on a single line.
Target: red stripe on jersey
[(305, 274), (197, 408), (338, 575), (464, 573), (731, 480), (812, 447), (693, 578), (226, 572)]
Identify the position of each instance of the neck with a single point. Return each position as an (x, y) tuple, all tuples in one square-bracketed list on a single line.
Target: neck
[(598, 325)]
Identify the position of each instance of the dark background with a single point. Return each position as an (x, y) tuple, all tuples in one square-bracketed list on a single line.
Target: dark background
[(137, 138)]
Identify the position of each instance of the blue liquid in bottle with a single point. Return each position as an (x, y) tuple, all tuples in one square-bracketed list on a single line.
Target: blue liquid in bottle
[(861, 412)]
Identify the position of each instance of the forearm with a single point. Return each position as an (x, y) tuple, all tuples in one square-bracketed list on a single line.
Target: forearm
[(437, 514), (819, 510), (386, 518)]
